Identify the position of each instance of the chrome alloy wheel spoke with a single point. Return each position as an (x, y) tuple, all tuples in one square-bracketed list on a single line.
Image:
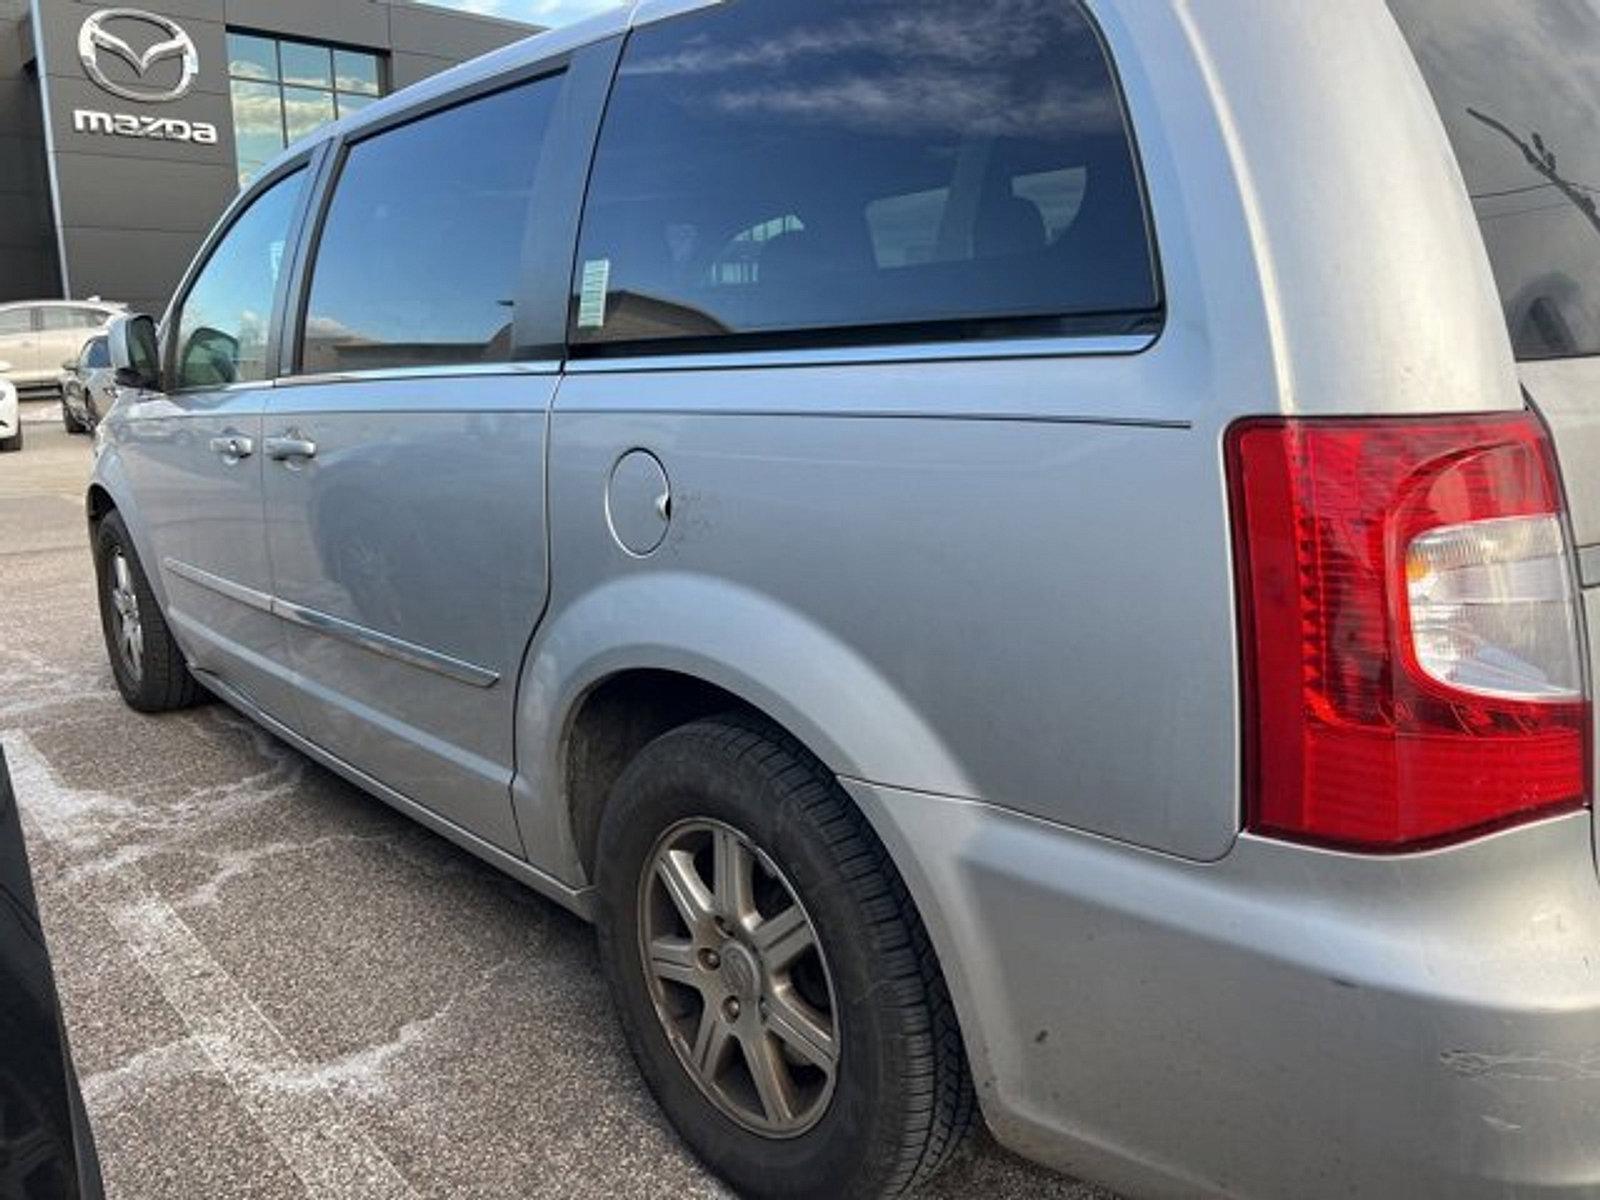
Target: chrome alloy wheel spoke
[(674, 960), (734, 879), (688, 892), (782, 939), (806, 1033), (770, 1072)]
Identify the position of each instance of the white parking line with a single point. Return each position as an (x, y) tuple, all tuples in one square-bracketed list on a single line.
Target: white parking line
[(322, 1144)]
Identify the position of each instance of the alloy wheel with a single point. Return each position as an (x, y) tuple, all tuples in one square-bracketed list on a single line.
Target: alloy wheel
[(738, 978), (125, 614)]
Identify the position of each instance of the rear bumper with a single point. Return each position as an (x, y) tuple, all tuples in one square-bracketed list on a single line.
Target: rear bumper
[(1285, 1022)]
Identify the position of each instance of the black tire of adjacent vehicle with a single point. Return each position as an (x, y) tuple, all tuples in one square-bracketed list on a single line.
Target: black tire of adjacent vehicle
[(165, 683), (14, 442), (903, 1098), (69, 422)]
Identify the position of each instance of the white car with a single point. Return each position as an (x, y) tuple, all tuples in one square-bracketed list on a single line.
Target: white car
[(10, 414), (36, 337)]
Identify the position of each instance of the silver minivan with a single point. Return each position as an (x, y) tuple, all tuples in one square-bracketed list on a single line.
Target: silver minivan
[(1040, 560)]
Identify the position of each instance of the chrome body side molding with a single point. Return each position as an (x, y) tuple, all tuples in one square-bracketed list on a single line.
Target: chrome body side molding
[(336, 627), (247, 596)]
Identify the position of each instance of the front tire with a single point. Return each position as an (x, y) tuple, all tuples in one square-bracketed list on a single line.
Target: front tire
[(773, 979), (150, 669), (12, 443), (69, 422)]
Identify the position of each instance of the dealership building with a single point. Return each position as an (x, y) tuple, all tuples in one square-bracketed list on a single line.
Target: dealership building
[(125, 131)]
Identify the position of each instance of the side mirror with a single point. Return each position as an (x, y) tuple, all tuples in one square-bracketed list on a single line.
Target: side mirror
[(135, 353)]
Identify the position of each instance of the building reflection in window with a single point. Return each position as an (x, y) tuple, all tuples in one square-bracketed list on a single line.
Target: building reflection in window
[(284, 90)]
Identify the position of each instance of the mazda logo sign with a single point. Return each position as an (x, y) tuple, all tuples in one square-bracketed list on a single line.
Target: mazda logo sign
[(96, 41)]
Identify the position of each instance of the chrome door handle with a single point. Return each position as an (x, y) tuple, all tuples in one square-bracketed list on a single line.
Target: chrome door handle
[(233, 446), (282, 449)]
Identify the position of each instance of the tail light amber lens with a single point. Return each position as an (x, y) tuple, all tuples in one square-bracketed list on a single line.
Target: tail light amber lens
[(1412, 659)]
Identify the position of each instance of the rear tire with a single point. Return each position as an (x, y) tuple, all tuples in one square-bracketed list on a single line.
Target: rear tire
[(12, 443), (899, 1096), (150, 669)]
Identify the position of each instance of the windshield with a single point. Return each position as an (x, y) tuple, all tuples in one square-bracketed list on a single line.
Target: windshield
[(1518, 85)]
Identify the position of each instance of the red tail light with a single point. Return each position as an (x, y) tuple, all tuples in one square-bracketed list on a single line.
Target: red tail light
[(1413, 671)]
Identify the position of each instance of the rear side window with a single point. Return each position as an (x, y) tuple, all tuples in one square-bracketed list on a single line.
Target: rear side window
[(16, 320), (96, 354), (1518, 85), (226, 321), (421, 254), (71, 318), (863, 168)]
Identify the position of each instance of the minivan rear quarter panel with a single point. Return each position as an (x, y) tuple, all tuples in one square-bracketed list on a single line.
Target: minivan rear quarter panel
[(966, 505)]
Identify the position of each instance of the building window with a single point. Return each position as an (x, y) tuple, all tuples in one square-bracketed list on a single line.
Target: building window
[(282, 90)]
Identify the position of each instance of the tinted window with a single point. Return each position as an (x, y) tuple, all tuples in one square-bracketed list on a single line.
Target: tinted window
[(96, 354), (15, 320), (1518, 85), (768, 166), (420, 258), (227, 315)]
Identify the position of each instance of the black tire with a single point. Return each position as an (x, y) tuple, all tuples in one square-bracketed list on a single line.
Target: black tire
[(12, 443), (902, 1096), (161, 681), (69, 422)]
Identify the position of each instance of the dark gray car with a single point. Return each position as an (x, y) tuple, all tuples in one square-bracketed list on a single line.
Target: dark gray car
[(47, 1150), (88, 386)]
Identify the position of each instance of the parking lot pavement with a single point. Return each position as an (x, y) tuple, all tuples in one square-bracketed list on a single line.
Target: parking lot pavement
[(277, 987)]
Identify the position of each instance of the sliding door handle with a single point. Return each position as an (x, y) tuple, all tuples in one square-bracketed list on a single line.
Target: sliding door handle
[(290, 447)]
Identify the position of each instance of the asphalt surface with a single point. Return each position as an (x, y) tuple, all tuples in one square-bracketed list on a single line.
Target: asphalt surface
[(275, 986)]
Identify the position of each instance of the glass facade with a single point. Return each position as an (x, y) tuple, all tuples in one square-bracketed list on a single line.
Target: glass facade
[(283, 89)]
